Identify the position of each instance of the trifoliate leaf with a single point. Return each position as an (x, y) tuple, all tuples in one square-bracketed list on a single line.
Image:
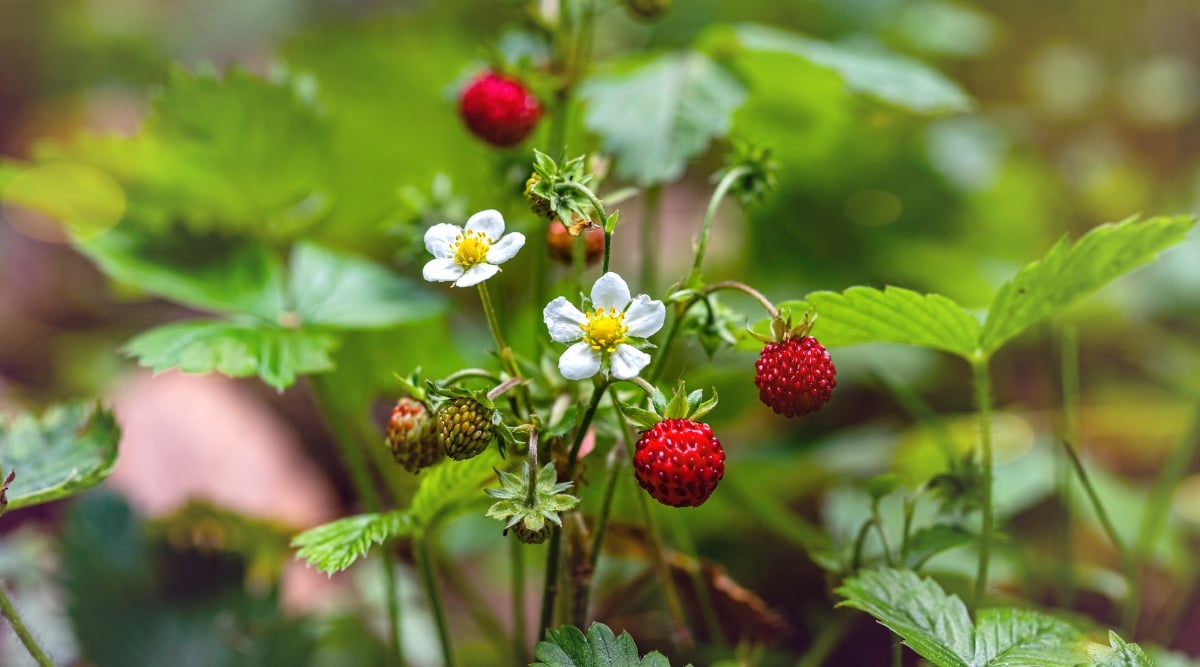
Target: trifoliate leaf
[(70, 449), (1119, 653), (1071, 271), (275, 354), (893, 315), (568, 647), (205, 273), (344, 291), (656, 117), (937, 627), (334, 546), (877, 73), (449, 486)]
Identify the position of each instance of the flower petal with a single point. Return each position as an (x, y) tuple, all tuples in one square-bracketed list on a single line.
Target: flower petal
[(563, 320), (610, 291), (579, 362), (645, 317), (628, 361), (441, 239), (441, 270), (477, 274), (506, 249), (489, 222)]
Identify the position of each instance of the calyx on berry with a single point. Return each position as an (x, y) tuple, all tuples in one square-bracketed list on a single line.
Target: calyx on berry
[(468, 419), (783, 329), (530, 510), (681, 405), (560, 192)]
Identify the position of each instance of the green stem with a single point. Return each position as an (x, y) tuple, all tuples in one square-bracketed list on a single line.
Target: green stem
[(467, 373), (505, 352), (365, 488), (1128, 616), (983, 403), (520, 652), (425, 559), (883, 537), (664, 348), (742, 287), (613, 463), (650, 241), (712, 622), (718, 194), (18, 626), (897, 652), (554, 549), (1071, 433)]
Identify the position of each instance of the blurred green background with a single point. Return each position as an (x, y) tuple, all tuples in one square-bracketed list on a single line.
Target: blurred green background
[(1085, 111)]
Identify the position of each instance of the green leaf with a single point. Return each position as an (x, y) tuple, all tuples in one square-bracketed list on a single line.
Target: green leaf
[(1119, 653), (334, 546), (447, 487), (346, 291), (661, 114), (238, 349), (893, 315), (1070, 272), (568, 647), (203, 273), (72, 448), (885, 76), (928, 542), (937, 627)]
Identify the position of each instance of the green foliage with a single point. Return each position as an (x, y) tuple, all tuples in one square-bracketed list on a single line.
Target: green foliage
[(938, 628), (656, 117), (449, 486), (1071, 271), (925, 543), (334, 546), (568, 647), (893, 315), (888, 77), (275, 354), (1119, 653), (70, 449)]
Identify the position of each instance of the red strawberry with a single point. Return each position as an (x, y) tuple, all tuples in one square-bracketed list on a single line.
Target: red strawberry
[(499, 110), (795, 376), (679, 462), (561, 244), (412, 437)]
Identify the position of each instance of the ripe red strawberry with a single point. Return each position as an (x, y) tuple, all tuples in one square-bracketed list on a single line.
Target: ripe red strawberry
[(562, 245), (499, 110), (795, 376), (679, 462), (412, 436)]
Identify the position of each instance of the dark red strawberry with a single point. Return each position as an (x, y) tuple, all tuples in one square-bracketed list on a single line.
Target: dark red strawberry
[(499, 110), (795, 376)]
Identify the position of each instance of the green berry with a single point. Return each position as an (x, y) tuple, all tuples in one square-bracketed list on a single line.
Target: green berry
[(464, 428)]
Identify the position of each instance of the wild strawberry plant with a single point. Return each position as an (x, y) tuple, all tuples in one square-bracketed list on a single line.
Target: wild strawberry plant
[(234, 196)]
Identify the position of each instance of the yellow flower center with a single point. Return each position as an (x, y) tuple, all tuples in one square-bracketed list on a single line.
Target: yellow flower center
[(471, 248), (604, 329)]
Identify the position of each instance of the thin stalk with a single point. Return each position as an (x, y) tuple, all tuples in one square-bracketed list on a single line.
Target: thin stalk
[(554, 549), (1127, 617), (883, 537), (718, 194), (613, 463), (825, 642), (983, 403), (505, 352), (425, 559), (520, 652), (742, 287), (664, 348), (364, 487), (681, 637), (18, 626), (708, 610), (897, 653), (860, 543), (1155, 514), (1069, 391), (651, 217), (467, 373)]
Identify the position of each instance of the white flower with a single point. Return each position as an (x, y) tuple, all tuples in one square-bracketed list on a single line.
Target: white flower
[(470, 256), (604, 331)]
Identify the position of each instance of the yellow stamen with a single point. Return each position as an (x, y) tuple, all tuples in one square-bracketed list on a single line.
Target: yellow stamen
[(471, 248), (604, 329)]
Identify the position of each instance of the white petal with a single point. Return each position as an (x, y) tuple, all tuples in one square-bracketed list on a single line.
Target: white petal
[(477, 274), (489, 222), (645, 317), (563, 320), (628, 361), (610, 291), (506, 249), (441, 239), (579, 362), (441, 270)]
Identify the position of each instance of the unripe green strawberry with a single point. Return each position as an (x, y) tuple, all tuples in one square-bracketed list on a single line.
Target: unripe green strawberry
[(464, 428), (412, 436), (537, 203)]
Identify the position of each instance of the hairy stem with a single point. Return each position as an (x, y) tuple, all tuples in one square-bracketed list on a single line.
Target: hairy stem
[(983, 404), (742, 287), (425, 559), (706, 227), (650, 241), (18, 626)]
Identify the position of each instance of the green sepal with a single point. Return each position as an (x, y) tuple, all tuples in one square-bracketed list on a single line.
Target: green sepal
[(677, 408), (704, 407), (412, 385), (659, 400), (693, 400), (563, 425), (611, 222), (641, 418)]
